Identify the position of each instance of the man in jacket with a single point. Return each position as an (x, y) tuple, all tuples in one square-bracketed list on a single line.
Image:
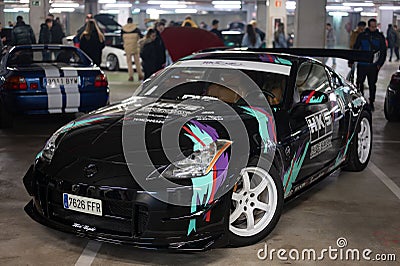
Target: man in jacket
[(370, 40), (354, 33), (130, 36), (22, 33), (57, 33), (159, 46)]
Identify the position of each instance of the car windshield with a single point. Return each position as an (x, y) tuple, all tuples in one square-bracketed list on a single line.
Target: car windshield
[(59, 55), (229, 85)]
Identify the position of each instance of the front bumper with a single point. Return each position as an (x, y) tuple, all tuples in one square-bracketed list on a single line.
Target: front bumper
[(129, 216)]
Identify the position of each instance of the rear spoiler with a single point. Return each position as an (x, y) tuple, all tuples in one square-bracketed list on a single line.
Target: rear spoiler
[(351, 55)]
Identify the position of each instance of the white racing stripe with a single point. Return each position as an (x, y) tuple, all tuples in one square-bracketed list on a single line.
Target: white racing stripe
[(72, 92), (385, 179), (54, 95), (89, 253)]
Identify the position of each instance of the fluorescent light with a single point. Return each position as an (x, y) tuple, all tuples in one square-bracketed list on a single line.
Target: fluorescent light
[(186, 11), (228, 6), (359, 4), (291, 5), (55, 5), (338, 14), (16, 10), (358, 9), (338, 8), (152, 11), (116, 5), (226, 3), (24, 1), (62, 9), (389, 7), (173, 6), (162, 2), (107, 1), (369, 14), (136, 11), (109, 11)]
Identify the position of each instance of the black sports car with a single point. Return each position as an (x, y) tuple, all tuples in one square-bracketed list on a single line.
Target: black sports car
[(204, 154), (392, 99)]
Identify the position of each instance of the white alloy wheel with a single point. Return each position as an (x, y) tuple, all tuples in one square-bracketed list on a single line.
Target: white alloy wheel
[(364, 141), (254, 203)]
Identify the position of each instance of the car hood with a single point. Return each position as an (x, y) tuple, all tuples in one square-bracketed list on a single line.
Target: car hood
[(109, 132)]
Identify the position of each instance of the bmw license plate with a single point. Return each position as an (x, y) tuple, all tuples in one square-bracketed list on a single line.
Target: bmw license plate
[(82, 204)]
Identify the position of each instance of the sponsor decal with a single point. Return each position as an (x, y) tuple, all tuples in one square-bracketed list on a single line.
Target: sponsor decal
[(320, 125), (274, 59)]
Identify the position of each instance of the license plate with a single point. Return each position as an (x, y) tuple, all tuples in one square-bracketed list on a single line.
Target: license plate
[(82, 204), (57, 81)]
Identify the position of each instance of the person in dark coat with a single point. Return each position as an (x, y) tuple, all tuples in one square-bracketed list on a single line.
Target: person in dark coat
[(150, 60), (215, 30), (92, 41), (22, 33), (57, 32), (371, 39), (45, 36), (159, 45), (391, 38)]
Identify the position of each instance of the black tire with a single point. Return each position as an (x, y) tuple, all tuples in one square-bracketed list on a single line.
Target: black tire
[(114, 64), (354, 162), (6, 118), (237, 240), (389, 111)]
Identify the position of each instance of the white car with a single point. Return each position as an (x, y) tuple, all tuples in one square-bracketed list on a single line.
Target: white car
[(113, 56)]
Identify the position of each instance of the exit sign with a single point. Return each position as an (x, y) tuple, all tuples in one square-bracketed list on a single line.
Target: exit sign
[(35, 3), (278, 3)]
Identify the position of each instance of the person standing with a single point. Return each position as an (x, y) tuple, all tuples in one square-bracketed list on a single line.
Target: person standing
[(251, 39), (370, 40), (130, 36), (147, 47), (92, 41), (279, 37), (22, 33), (56, 31), (260, 32), (3, 37), (354, 33), (391, 38), (215, 30), (397, 44), (160, 50), (45, 36), (330, 41), (188, 22)]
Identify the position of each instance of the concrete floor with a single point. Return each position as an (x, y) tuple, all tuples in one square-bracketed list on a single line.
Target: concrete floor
[(356, 206)]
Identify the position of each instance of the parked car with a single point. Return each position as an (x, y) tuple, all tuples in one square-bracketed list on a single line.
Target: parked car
[(45, 79), (204, 154), (392, 99)]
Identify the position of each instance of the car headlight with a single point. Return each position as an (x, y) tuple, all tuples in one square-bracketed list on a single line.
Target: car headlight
[(51, 145), (199, 163)]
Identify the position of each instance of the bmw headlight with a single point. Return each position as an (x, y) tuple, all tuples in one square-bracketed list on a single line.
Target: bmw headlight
[(199, 163)]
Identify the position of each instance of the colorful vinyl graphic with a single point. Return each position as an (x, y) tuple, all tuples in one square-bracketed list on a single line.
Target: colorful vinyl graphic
[(293, 171), (266, 125), (205, 187)]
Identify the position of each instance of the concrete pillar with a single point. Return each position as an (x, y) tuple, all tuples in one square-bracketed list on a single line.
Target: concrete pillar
[(2, 20), (261, 16), (276, 13), (37, 14), (385, 17), (310, 21), (92, 7)]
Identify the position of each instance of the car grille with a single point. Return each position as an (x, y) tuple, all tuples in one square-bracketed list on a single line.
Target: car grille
[(120, 217)]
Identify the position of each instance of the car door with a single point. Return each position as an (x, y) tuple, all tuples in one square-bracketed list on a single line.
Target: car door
[(311, 120)]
